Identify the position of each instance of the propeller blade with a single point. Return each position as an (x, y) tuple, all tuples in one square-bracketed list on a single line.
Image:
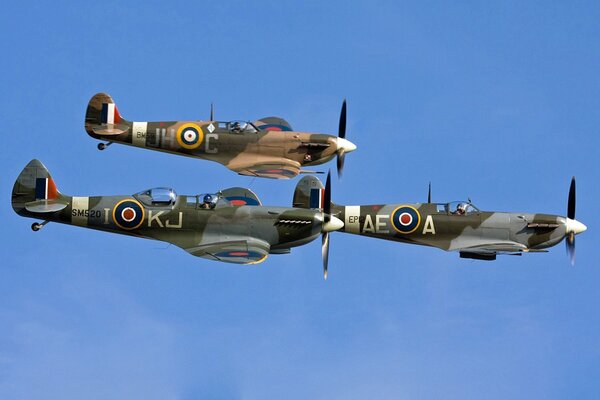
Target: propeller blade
[(342, 127), (341, 156), (429, 193), (570, 243), (327, 198), (342, 135), (326, 219), (212, 112), (571, 203), (325, 252)]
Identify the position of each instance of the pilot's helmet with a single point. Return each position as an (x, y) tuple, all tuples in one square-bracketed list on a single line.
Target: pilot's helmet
[(462, 207), (208, 198)]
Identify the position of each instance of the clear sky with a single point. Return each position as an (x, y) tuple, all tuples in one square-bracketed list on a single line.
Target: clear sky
[(496, 102)]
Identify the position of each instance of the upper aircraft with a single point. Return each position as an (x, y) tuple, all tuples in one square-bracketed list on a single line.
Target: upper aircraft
[(455, 226), (267, 148)]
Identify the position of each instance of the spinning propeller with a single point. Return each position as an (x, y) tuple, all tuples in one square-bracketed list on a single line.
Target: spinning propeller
[(343, 145), (330, 223), (573, 226)]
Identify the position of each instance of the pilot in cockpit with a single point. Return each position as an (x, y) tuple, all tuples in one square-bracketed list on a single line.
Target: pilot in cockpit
[(461, 209), (209, 202), (236, 127)]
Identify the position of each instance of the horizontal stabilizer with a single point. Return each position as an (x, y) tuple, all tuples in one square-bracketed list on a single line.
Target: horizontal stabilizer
[(108, 130), (45, 206)]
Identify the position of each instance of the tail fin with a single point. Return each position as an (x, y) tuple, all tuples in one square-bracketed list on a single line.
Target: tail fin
[(309, 193), (35, 190), (102, 117)]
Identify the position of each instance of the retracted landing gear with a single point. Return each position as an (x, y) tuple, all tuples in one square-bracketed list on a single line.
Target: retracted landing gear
[(36, 226), (102, 146)]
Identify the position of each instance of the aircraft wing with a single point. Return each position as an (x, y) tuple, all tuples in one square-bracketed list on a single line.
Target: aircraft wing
[(495, 248), (489, 251), (273, 168), (237, 251)]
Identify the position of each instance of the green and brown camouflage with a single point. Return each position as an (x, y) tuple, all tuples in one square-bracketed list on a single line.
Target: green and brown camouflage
[(455, 226), (268, 147), (230, 225)]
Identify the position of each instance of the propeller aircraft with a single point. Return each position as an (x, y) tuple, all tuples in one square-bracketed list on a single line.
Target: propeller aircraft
[(455, 226), (267, 148), (230, 226)]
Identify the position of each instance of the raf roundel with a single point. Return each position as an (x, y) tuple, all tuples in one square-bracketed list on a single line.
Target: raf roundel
[(189, 136), (405, 219), (128, 214)]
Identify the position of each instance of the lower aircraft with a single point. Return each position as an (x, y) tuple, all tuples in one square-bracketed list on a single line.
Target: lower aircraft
[(233, 226), (230, 225), (456, 226)]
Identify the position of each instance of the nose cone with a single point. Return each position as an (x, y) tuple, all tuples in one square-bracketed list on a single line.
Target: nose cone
[(333, 224), (574, 226), (345, 145)]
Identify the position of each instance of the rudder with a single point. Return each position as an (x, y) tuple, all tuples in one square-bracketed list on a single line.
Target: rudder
[(35, 190), (102, 117), (309, 193)]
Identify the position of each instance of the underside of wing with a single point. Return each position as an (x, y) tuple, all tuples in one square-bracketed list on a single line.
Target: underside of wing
[(497, 247), (242, 251), (273, 124), (274, 169), (489, 251)]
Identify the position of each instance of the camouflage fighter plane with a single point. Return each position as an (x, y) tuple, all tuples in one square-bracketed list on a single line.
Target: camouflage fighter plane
[(230, 226), (267, 148), (456, 226)]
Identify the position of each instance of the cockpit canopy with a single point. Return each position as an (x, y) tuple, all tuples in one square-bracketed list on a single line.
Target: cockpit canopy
[(160, 196), (238, 126), (457, 208)]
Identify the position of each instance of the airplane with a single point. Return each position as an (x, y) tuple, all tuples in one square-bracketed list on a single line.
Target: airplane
[(267, 148), (456, 226), (230, 226)]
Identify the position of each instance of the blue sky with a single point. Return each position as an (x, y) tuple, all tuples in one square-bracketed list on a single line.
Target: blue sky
[(497, 102)]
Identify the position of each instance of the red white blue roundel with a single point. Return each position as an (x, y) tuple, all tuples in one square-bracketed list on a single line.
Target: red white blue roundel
[(189, 136), (405, 219), (128, 214)]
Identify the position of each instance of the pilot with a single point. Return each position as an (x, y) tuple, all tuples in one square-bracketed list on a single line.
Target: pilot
[(208, 202), (236, 127), (461, 209)]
